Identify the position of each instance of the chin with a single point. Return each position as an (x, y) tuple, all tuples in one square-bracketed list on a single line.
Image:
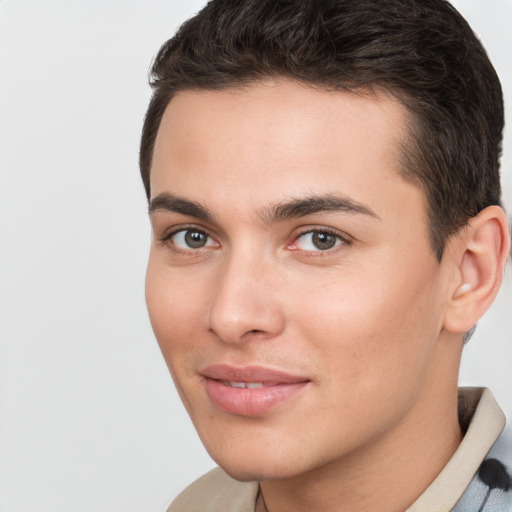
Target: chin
[(256, 464), (255, 472), (243, 475)]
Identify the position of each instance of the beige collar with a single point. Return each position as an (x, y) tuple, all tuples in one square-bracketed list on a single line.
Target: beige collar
[(486, 421)]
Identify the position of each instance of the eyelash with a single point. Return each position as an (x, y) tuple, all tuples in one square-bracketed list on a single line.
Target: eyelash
[(167, 237), (344, 239)]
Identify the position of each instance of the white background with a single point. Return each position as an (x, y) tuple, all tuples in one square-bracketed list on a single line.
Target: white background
[(89, 419)]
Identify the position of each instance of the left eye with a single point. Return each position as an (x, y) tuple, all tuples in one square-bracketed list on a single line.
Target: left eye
[(318, 241), (191, 239)]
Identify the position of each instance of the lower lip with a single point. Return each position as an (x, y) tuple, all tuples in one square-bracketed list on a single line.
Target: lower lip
[(250, 402)]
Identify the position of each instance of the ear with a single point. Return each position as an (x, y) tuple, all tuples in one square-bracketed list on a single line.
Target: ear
[(479, 254)]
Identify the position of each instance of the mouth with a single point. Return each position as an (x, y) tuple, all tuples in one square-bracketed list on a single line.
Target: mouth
[(249, 391)]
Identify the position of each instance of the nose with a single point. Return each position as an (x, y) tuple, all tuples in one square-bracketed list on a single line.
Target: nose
[(245, 302)]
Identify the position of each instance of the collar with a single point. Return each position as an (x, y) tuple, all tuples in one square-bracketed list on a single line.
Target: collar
[(480, 414)]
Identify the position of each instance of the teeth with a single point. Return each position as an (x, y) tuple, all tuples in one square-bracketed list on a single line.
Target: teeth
[(248, 385), (254, 385)]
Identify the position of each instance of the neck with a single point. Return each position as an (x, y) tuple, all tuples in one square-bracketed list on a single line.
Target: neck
[(388, 474)]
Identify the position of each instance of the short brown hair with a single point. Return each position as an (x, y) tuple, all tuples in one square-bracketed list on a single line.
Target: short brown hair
[(421, 51)]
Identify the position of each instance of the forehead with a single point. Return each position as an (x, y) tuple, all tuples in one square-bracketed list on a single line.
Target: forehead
[(273, 139)]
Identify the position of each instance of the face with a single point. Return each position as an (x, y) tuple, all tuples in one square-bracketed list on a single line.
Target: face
[(291, 284)]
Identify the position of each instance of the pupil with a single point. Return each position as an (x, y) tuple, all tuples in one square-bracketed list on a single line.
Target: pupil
[(324, 241), (195, 239)]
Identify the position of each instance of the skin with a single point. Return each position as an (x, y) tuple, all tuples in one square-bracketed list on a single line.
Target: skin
[(364, 321)]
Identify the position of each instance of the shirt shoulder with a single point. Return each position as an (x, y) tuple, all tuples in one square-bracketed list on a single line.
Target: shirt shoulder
[(491, 487), (216, 491)]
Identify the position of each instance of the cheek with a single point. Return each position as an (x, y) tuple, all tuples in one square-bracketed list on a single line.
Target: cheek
[(175, 307), (371, 358), (370, 329)]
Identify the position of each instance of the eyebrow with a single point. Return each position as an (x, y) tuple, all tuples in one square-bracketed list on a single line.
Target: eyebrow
[(171, 203), (291, 209), (302, 207)]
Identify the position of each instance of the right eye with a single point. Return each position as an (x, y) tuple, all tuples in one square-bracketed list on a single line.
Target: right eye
[(191, 239)]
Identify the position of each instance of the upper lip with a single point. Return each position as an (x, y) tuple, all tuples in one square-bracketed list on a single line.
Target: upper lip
[(268, 376)]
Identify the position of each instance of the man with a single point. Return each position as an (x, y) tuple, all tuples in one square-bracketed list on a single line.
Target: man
[(323, 180)]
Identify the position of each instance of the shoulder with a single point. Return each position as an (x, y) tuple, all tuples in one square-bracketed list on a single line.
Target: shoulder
[(216, 491)]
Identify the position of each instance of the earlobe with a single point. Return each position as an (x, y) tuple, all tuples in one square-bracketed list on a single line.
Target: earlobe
[(482, 249)]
